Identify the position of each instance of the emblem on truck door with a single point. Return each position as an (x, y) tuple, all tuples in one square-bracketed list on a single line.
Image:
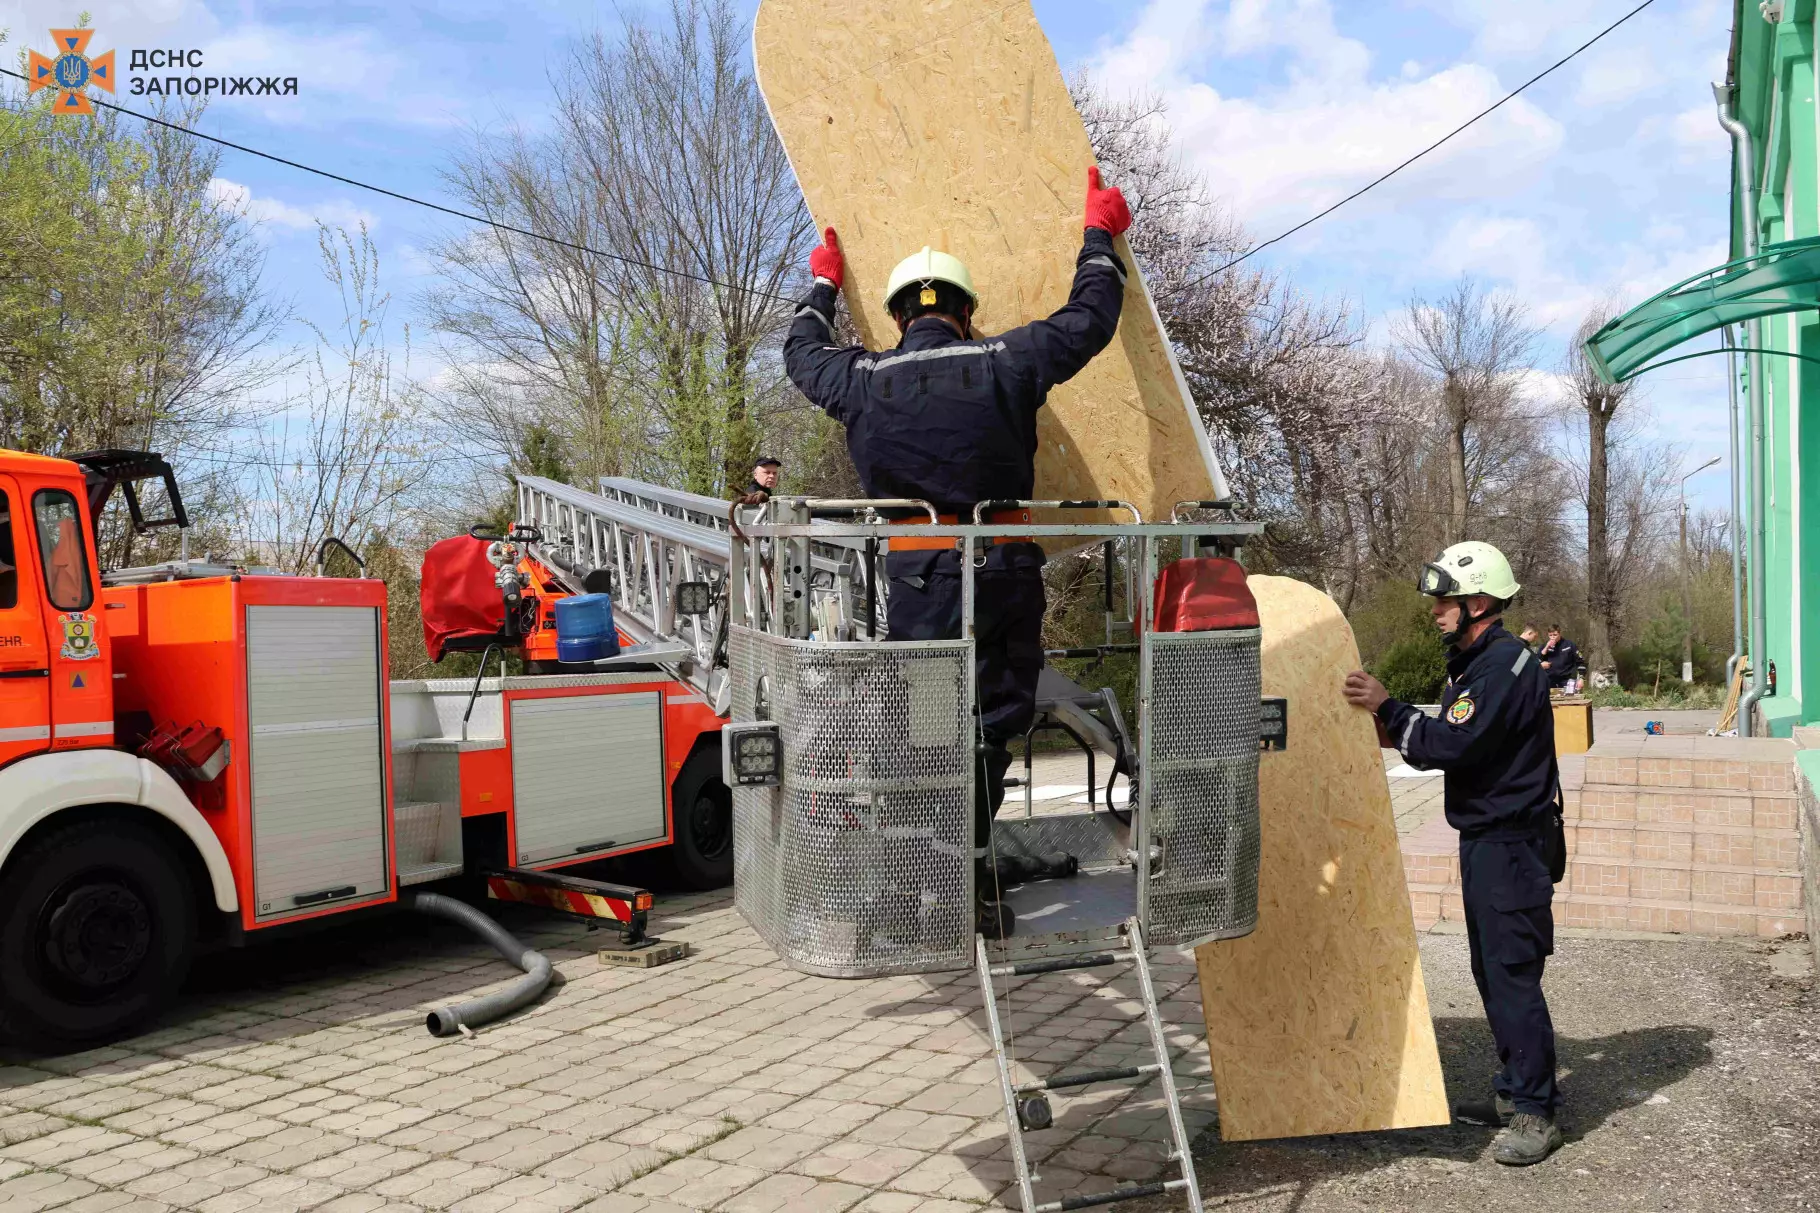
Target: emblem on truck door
[(78, 637)]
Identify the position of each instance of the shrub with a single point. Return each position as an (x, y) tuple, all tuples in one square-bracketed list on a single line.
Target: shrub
[(1414, 669), (1387, 615)]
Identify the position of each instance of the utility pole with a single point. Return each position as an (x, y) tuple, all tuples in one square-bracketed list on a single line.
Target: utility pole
[(1687, 590)]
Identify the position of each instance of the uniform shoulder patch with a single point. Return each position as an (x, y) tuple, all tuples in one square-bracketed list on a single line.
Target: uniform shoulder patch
[(1461, 710)]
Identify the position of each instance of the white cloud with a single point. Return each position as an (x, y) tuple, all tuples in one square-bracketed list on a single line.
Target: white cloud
[(1328, 126), (1523, 255), (1537, 30), (1698, 134), (1616, 75), (334, 63), (270, 212)]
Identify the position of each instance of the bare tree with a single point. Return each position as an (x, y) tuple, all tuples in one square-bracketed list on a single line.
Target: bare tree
[(1274, 375), (1474, 343), (661, 359), (1600, 402), (350, 467)]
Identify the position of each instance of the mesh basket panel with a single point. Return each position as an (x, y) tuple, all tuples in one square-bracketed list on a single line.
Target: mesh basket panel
[(1200, 785), (860, 863)]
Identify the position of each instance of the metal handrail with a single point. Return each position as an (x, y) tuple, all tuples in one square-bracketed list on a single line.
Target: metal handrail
[(1175, 511), (980, 510)]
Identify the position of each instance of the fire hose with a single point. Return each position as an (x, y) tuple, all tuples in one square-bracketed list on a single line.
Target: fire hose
[(450, 1020)]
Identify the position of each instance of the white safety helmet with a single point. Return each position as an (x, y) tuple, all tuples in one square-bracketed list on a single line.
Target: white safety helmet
[(929, 267), (1469, 568)]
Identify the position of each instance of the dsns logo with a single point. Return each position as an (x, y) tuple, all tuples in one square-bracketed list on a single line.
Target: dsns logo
[(71, 71)]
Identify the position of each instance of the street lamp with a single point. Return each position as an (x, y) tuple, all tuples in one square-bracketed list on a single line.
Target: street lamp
[(1687, 593)]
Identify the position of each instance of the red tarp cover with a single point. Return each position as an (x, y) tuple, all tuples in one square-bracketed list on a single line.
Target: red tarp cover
[(458, 594), (1202, 593)]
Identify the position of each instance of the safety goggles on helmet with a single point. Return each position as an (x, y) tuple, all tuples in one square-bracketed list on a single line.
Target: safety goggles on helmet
[(1437, 582)]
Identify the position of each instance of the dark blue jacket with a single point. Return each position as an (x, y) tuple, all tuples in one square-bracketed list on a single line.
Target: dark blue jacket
[(1495, 739), (1562, 661), (945, 419)]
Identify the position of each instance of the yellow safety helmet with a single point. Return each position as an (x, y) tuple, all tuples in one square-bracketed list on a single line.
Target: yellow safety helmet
[(929, 267)]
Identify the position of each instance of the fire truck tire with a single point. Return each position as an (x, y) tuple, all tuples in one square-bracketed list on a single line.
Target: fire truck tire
[(97, 925), (701, 858)]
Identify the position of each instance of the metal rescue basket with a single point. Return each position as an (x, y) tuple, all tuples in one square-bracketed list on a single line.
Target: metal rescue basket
[(853, 758)]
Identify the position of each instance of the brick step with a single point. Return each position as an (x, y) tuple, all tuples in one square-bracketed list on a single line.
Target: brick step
[(1675, 843), (1753, 888), (1769, 888), (1594, 912), (1617, 804), (1681, 843), (1762, 765), (1675, 834), (1430, 904)]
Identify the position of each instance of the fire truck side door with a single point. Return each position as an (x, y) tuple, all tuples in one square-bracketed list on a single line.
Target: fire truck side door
[(76, 646), (25, 709)]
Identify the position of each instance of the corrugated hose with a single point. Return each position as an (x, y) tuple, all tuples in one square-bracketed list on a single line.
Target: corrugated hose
[(450, 1020)]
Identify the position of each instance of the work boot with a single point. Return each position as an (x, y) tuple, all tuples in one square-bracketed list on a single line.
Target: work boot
[(1527, 1140), (1493, 1113), (994, 919)]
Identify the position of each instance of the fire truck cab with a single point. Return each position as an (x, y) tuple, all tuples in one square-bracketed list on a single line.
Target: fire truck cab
[(200, 753)]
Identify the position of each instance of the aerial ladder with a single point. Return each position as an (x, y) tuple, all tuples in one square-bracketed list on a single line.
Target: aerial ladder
[(662, 555)]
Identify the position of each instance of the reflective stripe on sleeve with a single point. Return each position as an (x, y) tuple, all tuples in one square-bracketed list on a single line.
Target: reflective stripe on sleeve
[(1109, 263), (807, 310)]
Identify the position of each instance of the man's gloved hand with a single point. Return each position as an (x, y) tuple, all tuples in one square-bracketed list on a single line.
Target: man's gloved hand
[(1106, 209), (826, 261)]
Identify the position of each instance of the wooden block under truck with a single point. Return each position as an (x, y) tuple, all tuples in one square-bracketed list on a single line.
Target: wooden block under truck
[(197, 755)]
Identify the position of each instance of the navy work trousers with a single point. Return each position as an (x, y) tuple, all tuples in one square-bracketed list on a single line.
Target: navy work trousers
[(1510, 927), (925, 604)]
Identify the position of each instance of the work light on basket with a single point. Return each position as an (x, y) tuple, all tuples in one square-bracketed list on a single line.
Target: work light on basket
[(754, 755)]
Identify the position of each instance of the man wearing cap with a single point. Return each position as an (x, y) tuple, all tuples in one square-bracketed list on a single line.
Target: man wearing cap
[(949, 417), (1494, 742), (764, 476)]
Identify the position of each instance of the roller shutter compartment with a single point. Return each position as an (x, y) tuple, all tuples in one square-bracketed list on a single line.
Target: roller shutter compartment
[(314, 687), (587, 774)]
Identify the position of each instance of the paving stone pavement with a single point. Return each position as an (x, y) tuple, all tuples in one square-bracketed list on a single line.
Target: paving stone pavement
[(300, 1076)]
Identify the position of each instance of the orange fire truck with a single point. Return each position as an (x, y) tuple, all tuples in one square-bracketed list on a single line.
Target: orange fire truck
[(196, 754)]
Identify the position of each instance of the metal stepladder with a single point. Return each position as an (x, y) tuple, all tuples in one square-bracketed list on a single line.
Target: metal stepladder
[(1026, 1104)]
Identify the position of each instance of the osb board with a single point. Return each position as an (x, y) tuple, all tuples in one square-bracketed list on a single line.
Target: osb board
[(941, 123), (1318, 1020)]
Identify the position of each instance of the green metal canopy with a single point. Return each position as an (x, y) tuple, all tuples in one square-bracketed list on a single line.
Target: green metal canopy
[(1780, 278)]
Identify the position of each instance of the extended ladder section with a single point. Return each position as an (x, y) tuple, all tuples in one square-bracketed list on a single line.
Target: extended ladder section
[(663, 556), (1027, 1104)]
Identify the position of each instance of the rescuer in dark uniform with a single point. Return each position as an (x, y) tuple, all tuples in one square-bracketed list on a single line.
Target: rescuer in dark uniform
[(1495, 741), (949, 417)]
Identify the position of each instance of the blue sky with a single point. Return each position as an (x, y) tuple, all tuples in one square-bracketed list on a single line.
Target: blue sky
[(1608, 180)]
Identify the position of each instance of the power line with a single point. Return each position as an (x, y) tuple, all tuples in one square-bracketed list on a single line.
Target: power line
[(727, 286), (1510, 96), (424, 202)]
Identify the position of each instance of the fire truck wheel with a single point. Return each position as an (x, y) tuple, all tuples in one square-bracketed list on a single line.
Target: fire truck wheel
[(96, 929), (702, 856)]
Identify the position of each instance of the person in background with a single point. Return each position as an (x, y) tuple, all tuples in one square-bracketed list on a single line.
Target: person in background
[(1530, 637), (1560, 659), (764, 476)]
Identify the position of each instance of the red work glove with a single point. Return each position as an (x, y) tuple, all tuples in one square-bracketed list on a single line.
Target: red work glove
[(826, 261), (1106, 209)]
